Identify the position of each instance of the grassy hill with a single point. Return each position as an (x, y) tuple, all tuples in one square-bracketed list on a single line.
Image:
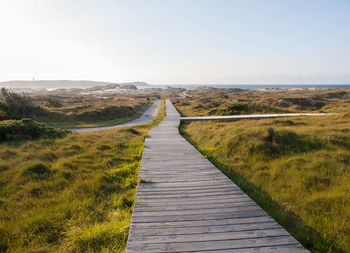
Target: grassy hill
[(61, 84), (71, 194), (236, 101), (71, 112), (297, 169)]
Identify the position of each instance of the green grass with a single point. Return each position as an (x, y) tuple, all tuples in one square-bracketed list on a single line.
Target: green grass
[(91, 117), (93, 123), (297, 169), (244, 108), (248, 101), (16, 130), (73, 194), (81, 112)]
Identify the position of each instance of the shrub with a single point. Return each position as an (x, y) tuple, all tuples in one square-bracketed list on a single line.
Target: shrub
[(27, 129), (15, 106), (52, 102), (248, 108)]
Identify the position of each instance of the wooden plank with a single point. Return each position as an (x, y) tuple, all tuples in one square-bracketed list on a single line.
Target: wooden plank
[(252, 116), (214, 245), (211, 236), (190, 202), (174, 230), (188, 205), (203, 223)]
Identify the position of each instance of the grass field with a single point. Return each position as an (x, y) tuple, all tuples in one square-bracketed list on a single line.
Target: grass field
[(95, 116), (73, 110), (297, 169), (236, 102), (71, 194)]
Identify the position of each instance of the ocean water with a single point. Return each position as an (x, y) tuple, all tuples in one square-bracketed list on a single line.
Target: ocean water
[(250, 86)]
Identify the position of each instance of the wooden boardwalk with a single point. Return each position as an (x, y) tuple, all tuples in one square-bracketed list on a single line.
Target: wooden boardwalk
[(252, 116), (188, 205)]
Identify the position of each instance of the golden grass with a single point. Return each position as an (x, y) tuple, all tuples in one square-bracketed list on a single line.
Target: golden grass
[(297, 169), (229, 102), (73, 194)]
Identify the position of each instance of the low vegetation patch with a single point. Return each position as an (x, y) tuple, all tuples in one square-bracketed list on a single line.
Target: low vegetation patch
[(27, 129), (89, 117), (297, 170), (245, 108), (211, 101), (73, 194)]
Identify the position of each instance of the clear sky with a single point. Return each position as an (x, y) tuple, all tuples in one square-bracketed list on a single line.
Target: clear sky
[(176, 41)]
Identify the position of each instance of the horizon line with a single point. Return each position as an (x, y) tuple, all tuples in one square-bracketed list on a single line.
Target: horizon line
[(199, 84)]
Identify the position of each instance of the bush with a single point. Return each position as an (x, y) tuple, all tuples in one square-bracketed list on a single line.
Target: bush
[(248, 108), (14, 106), (27, 129), (52, 102)]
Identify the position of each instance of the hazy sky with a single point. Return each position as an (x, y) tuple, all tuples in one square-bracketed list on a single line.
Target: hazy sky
[(176, 41)]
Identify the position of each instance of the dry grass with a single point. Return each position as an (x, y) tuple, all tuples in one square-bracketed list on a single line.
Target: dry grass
[(233, 101), (297, 169), (72, 194)]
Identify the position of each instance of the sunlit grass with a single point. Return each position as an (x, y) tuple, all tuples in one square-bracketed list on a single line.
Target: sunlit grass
[(95, 117), (297, 169), (248, 101), (71, 194)]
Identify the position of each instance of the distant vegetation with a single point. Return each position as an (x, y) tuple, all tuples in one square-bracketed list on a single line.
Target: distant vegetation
[(212, 101), (297, 169), (43, 84), (54, 112), (245, 108), (92, 116), (73, 194), (55, 103)]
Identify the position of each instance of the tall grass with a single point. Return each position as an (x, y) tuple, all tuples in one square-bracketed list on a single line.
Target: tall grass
[(27, 129), (248, 101), (297, 170), (89, 117), (73, 194)]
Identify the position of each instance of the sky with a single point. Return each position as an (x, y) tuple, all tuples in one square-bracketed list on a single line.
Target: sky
[(176, 41)]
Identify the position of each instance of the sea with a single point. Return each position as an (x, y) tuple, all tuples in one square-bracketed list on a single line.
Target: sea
[(239, 86)]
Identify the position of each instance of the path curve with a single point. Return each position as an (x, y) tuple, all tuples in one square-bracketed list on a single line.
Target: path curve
[(185, 204), (146, 117)]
